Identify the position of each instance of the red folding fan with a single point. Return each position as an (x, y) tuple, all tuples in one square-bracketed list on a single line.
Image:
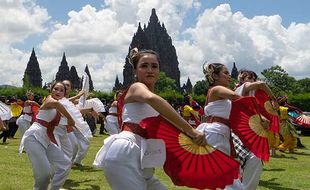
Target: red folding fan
[(245, 121), (188, 164), (303, 120), (267, 110)]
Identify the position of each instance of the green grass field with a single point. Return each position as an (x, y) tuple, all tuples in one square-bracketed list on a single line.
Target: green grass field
[(285, 172)]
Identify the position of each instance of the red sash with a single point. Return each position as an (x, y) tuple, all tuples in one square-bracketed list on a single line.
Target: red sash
[(69, 129), (50, 126), (211, 119), (120, 105), (113, 114), (134, 128)]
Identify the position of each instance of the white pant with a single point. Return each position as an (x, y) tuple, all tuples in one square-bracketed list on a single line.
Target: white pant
[(80, 145), (222, 143), (74, 143), (47, 163), (61, 136), (122, 166), (23, 125), (252, 171), (219, 142), (111, 125), (121, 177)]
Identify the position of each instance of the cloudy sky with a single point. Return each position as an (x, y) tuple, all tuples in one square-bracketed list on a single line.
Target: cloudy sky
[(254, 34)]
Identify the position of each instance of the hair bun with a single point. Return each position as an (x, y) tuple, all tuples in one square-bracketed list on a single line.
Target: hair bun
[(133, 52), (208, 71)]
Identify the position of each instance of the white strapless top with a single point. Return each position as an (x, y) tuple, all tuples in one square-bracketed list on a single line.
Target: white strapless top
[(113, 109), (239, 90), (27, 109), (136, 111), (46, 115), (219, 108)]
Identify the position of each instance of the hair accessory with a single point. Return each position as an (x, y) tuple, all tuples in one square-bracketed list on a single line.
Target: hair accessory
[(208, 72), (133, 52)]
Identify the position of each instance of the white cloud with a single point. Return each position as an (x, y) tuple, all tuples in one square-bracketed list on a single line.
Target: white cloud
[(100, 38), (19, 20), (95, 38), (13, 65), (171, 12), (256, 44), (89, 31)]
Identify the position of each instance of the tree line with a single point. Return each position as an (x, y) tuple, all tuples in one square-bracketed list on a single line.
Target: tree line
[(280, 82)]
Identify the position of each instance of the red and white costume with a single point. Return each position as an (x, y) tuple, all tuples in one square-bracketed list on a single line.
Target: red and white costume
[(121, 155), (48, 161)]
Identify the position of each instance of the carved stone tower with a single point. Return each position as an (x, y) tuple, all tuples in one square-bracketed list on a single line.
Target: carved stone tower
[(154, 37), (32, 74)]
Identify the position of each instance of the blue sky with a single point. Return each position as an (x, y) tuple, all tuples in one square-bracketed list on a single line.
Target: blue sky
[(290, 11), (254, 34)]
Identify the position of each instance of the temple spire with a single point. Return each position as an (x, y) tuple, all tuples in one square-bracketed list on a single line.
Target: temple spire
[(32, 74)]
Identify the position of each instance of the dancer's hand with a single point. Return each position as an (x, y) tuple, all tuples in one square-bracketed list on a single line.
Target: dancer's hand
[(265, 123), (275, 104), (81, 93), (71, 122), (94, 114), (199, 138)]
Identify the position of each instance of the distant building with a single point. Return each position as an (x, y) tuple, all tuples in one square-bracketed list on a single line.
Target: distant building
[(154, 36), (32, 75), (74, 78), (117, 84), (234, 72), (64, 73), (63, 70), (188, 87)]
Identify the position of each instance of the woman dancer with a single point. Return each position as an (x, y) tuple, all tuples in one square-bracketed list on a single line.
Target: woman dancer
[(25, 120), (79, 136), (251, 165), (5, 115), (120, 157), (217, 110), (111, 122), (47, 159)]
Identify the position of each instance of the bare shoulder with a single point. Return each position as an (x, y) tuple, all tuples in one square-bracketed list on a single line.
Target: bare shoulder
[(138, 92), (137, 86), (114, 104), (254, 85), (50, 103), (217, 89)]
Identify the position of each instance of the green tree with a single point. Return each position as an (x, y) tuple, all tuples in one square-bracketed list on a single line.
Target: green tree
[(165, 83), (26, 83), (201, 87), (304, 85), (279, 81)]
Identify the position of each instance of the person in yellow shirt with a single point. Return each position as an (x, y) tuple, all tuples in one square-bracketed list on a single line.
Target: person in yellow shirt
[(287, 130), (189, 114), (16, 111)]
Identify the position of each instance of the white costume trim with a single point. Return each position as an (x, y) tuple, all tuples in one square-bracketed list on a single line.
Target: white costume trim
[(5, 111), (75, 113)]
